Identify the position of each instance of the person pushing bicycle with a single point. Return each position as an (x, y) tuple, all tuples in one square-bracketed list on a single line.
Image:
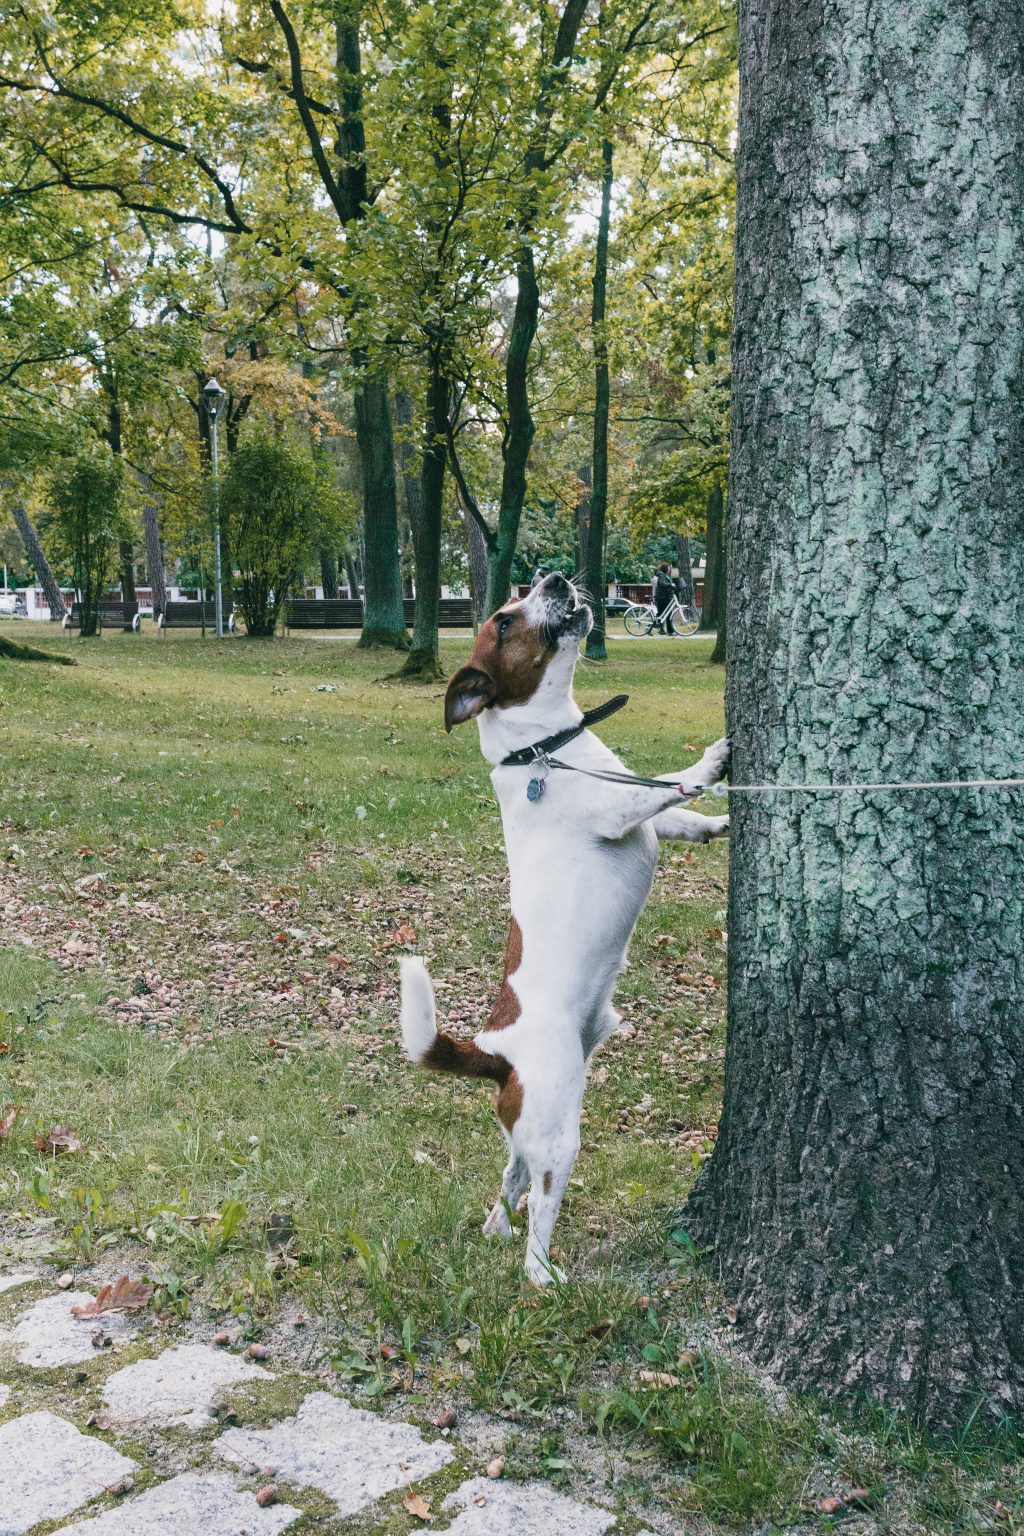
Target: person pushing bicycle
[(663, 594)]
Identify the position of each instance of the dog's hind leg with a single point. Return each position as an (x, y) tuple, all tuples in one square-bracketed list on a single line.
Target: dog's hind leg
[(513, 1183), (548, 1175)]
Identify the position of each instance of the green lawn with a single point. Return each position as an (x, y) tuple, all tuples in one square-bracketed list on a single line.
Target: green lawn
[(211, 856)]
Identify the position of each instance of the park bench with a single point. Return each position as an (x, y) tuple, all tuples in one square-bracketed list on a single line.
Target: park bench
[(114, 614), (188, 613), (347, 613)]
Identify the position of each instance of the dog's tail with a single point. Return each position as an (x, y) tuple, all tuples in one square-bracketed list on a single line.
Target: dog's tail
[(426, 1047)]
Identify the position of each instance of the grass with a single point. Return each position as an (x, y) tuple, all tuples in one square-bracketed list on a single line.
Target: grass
[(211, 856)]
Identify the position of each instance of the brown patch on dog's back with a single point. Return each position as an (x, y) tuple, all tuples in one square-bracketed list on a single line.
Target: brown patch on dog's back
[(508, 1103), (506, 1010)]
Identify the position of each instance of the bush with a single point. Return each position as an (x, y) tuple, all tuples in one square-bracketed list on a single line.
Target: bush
[(272, 507), (90, 516)]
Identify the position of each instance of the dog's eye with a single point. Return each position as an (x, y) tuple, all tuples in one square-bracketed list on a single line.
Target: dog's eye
[(503, 624)]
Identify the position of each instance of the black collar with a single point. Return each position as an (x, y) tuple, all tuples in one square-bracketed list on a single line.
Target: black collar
[(525, 755)]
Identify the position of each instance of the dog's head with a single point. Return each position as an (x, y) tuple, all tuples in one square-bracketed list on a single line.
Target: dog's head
[(525, 646)]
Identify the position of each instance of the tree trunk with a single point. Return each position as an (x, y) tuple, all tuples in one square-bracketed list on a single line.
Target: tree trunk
[(720, 649), (476, 550), (585, 475), (351, 574), (713, 607), (519, 431), (44, 575), (155, 558), (383, 613), (865, 1200), (422, 663), (596, 648), (411, 485), (125, 547), (329, 571), (685, 565)]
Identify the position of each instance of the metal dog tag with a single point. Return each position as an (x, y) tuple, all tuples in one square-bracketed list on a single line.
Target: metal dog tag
[(534, 789)]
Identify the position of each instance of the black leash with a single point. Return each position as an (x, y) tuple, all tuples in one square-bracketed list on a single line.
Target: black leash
[(539, 755)]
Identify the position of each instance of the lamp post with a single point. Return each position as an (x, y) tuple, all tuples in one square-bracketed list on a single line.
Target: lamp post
[(215, 397)]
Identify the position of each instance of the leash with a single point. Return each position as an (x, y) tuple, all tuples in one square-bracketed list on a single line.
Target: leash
[(721, 789)]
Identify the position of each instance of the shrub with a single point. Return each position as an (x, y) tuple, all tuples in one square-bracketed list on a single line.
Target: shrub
[(90, 517), (272, 507)]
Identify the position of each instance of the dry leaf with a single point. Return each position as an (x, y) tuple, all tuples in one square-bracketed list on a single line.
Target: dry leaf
[(123, 1296), (60, 1138), (7, 1119), (657, 1379), (417, 1505), (829, 1505), (598, 1330), (4, 1047)]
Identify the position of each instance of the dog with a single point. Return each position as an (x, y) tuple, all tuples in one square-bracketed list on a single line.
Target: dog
[(582, 852)]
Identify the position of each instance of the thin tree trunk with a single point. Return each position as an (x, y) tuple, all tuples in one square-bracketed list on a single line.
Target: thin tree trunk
[(422, 663), (125, 547), (411, 484), (476, 550), (596, 648), (44, 575), (685, 565), (383, 611), (329, 571), (712, 609), (864, 1205), (351, 574), (155, 558), (585, 476)]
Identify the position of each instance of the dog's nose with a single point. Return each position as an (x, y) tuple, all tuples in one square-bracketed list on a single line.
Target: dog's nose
[(556, 584)]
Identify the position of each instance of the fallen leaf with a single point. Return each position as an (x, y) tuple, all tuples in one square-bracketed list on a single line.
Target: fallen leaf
[(417, 1505), (598, 1330), (123, 1295), (4, 1047), (829, 1505), (658, 1379), (60, 1138), (7, 1119)]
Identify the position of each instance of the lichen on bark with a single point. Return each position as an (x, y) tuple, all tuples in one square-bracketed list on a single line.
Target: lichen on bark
[(864, 1202)]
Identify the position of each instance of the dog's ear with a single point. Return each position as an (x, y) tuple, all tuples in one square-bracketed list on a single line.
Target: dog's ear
[(469, 691)]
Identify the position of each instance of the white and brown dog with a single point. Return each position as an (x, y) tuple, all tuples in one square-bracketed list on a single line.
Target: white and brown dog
[(581, 858)]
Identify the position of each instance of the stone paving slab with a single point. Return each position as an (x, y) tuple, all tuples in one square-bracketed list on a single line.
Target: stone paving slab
[(189, 1505), (48, 1334), (492, 1508), (352, 1456), (178, 1387), (48, 1468)]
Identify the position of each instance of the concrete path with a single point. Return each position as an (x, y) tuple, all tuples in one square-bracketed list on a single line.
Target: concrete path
[(149, 1446)]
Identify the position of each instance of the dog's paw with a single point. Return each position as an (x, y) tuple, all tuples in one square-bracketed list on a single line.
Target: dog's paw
[(498, 1224), (718, 826), (714, 765), (543, 1272)]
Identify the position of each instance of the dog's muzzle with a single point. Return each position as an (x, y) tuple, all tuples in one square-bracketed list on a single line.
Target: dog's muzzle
[(565, 613)]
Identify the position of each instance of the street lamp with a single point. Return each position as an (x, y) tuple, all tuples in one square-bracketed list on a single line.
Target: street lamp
[(215, 397)]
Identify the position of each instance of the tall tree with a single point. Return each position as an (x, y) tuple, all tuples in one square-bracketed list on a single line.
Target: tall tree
[(44, 573), (596, 648), (864, 1204)]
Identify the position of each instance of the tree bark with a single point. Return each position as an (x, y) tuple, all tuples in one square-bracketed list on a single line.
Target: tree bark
[(865, 1201), (586, 479), (713, 608), (596, 648), (685, 565), (351, 574), (422, 663), (383, 612), (125, 547), (476, 550), (155, 558), (328, 571), (44, 575)]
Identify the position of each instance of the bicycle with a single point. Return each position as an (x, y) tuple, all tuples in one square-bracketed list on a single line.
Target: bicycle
[(641, 619)]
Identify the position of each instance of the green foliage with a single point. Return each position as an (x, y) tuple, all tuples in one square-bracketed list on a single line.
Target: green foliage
[(276, 507), (90, 518)]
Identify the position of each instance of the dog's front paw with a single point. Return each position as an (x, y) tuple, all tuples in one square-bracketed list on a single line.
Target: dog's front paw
[(498, 1224), (543, 1272), (714, 765), (718, 826)]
